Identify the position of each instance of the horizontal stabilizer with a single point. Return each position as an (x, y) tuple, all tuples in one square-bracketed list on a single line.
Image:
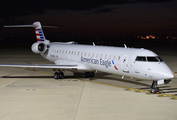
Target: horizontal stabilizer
[(35, 25), (30, 26), (20, 26)]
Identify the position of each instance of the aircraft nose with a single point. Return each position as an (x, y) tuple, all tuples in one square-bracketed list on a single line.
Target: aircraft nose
[(169, 75), (165, 72)]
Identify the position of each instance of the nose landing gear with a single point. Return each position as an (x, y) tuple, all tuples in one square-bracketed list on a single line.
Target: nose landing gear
[(154, 88)]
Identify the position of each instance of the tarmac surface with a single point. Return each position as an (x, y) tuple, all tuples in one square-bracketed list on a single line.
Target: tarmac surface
[(26, 94)]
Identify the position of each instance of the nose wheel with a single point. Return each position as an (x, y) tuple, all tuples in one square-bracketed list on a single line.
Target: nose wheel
[(154, 88), (58, 75)]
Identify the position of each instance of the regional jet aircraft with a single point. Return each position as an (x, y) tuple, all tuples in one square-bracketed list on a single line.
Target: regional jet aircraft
[(133, 62)]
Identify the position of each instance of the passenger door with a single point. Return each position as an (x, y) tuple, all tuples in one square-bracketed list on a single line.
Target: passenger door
[(124, 63)]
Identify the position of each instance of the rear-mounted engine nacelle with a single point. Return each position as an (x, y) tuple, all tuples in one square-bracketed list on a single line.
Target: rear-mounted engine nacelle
[(39, 47)]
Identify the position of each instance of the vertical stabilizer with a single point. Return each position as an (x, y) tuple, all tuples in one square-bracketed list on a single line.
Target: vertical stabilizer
[(39, 32)]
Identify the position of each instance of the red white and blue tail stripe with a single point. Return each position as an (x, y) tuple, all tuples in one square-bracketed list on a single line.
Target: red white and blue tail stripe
[(114, 65), (39, 34)]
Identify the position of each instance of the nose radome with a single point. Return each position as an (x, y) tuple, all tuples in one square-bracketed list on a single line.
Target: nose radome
[(166, 71), (169, 75)]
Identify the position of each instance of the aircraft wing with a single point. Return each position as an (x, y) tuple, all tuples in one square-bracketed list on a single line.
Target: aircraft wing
[(41, 66)]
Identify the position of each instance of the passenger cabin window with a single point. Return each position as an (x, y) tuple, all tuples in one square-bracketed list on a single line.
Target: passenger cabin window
[(110, 57), (93, 55), (119, 58), (89, 55), (141, 58), (96, 55), (78, 53), (105, 57), (85, 53), (114, 57), (101, 56), (75, 53)]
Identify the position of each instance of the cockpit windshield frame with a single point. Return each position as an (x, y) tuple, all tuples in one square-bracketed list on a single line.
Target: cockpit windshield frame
[(148, 59)]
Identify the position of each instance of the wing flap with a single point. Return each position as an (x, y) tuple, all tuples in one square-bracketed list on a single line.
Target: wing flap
[(41, 66)]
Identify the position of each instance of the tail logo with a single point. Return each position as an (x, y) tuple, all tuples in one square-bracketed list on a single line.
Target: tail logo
[(114, 65), (39, 35)]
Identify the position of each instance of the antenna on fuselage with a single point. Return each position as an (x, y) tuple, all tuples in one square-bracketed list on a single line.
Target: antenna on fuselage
[(125, 46), (93, 44)]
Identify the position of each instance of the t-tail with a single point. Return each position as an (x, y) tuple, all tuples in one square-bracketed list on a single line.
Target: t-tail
[(38, 30), (42, 44)]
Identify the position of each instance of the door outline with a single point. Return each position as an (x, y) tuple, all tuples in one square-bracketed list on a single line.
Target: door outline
[(124, 63)]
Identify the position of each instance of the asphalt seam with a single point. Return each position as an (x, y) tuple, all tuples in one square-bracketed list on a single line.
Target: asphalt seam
[(79, 101), (8, 85)]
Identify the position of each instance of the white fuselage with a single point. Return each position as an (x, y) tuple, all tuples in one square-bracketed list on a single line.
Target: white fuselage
[(116, 60)]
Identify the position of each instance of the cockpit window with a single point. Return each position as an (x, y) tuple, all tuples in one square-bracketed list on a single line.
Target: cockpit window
[(159, 59), (140, 58), (154, 59), (149, 59)]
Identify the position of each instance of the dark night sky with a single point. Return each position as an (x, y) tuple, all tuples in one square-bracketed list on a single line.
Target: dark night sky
[(89, 18)]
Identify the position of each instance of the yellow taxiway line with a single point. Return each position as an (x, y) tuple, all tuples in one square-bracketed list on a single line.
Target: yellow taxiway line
[(174, 97)]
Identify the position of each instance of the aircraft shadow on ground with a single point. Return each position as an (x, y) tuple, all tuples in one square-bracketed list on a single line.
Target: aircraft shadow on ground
[(33, 77), (103, 76), (106, 77), (169, 90), (165, 89), (27, 77)]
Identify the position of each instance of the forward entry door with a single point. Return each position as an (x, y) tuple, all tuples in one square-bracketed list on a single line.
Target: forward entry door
[(125, 64)]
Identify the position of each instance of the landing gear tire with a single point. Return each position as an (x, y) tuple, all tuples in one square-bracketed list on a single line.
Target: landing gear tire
[(56, 75), (154, 88), (59, 75), (155, 91)]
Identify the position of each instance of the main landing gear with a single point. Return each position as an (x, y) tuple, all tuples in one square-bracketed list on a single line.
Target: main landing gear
[(59, 75), (154, 88)]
